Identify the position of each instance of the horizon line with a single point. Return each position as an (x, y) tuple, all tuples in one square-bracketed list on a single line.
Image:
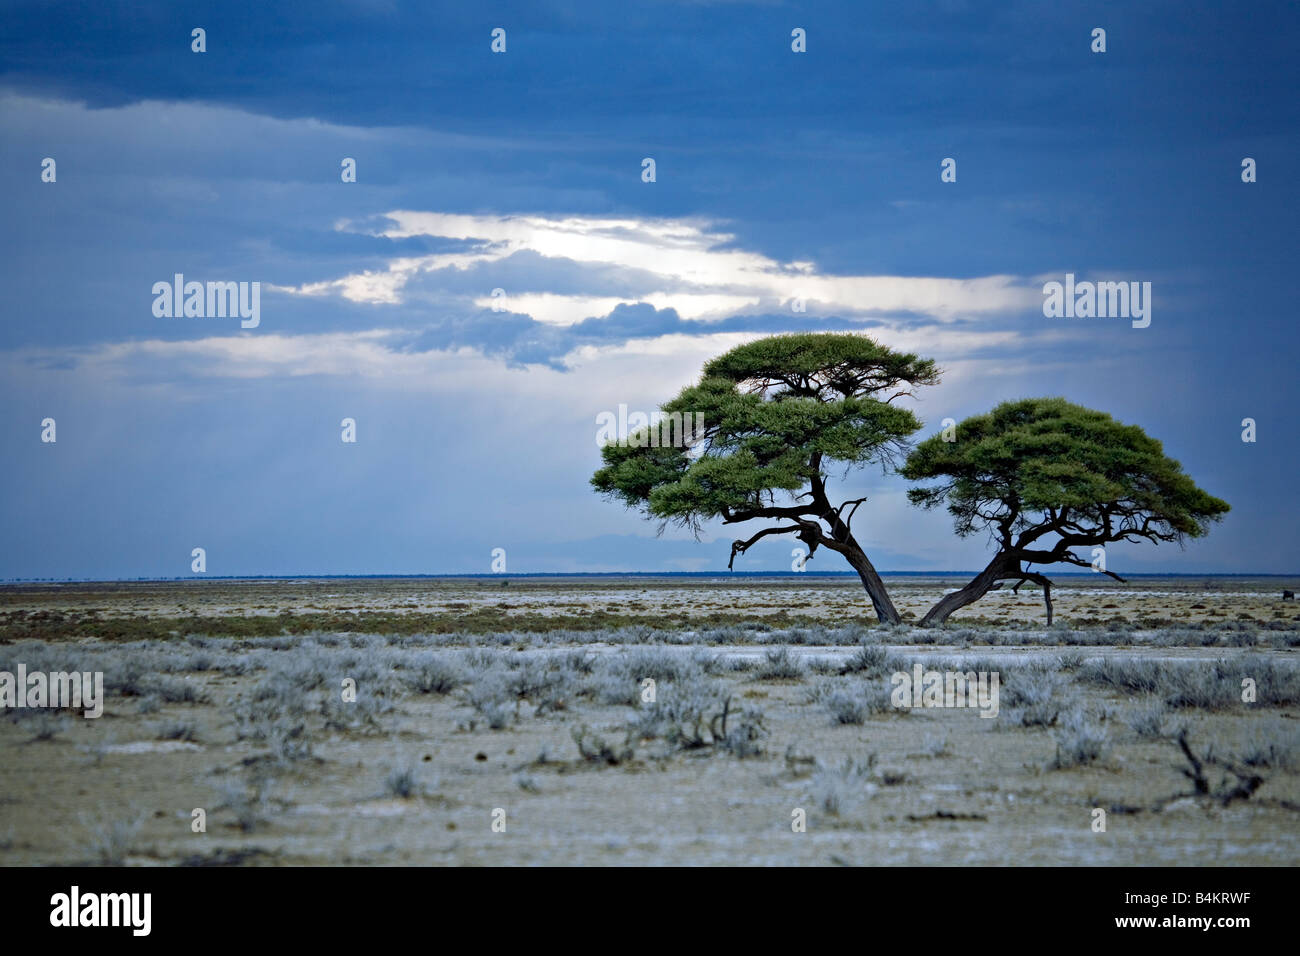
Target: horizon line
[(614, 574)]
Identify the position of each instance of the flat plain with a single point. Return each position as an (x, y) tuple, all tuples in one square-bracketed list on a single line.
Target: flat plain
[(651, 721)]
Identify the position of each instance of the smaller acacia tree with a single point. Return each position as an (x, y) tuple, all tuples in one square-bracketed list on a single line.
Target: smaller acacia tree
[(1044, 477), (779, 414)]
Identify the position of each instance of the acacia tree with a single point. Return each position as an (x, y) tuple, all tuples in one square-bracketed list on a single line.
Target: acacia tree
[(1044, 477), (778, 415)]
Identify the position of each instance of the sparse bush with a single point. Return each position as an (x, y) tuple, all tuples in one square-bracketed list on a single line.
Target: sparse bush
[(237, 666), (200, 660), (174, 691), (687, 715), (872, 661), (1070, 661), (660, 664), (780, 664), (546, 688), (1195, 686), (1277, 684), (849, 634), (824, 665), (43, 724), (178, 730), (275, 713), (493, 699), (309, 667), (480, 662), (288, 740), (740, 735), (614, 689), (1079, 742), (840, 790), (1244, 637), (845, 707), (1148, 721), (556, 695), (247, 799), (1181, 637), (711, 663), (364, 715), (401, 782), (595, 749), (112, 839), (126, 677), (432, 673), (529, 678), (1130, 676), (578, 662), (1035, 698), (277, 642), (852, 701), (1273, 746), (276, 716)]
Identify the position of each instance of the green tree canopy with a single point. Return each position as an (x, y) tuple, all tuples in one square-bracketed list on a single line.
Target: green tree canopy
[(1044, 477), (778, 414)]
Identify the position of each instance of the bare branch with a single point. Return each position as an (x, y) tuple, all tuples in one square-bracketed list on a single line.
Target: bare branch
[(740, 547)]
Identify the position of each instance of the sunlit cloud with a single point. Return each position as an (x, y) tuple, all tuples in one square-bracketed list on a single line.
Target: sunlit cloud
[(687, 265)]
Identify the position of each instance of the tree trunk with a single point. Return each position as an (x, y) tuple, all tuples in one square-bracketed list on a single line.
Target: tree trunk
[(1000, 567), (1042, 579), (886, 613)]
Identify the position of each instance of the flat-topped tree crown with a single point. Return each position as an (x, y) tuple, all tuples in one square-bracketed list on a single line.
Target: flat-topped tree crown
[(777, 413), (823, 366), (1043, 477)]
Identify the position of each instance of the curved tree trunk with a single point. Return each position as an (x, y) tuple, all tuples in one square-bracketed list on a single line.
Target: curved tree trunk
[(886, 613), (1000, 567), (848, 546)]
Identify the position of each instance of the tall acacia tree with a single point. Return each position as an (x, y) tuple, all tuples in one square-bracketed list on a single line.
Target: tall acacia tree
[(779, 414), (1044, 477)]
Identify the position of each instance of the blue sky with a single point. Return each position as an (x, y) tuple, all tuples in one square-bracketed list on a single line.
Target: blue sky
[(778, 175)]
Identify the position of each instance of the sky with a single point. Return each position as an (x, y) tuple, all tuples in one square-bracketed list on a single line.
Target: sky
[(778, 176)]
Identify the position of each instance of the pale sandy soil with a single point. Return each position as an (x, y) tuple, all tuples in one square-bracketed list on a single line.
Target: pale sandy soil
[(686, 809), (946, 786), (833, 599)]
